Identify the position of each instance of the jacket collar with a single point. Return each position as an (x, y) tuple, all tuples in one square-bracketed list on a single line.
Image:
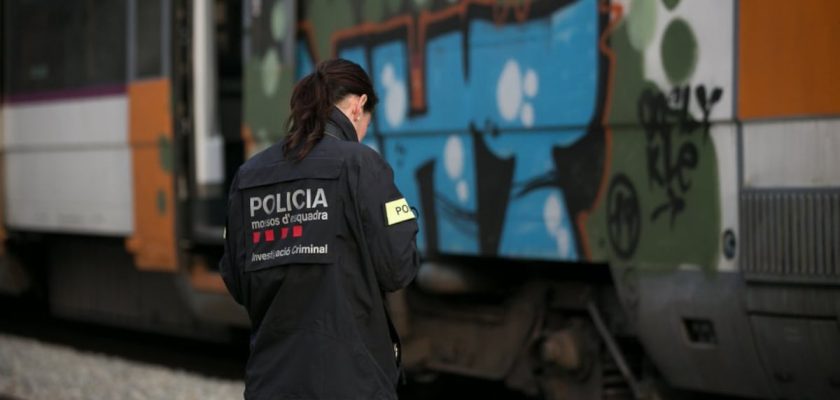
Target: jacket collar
[(340, 127)]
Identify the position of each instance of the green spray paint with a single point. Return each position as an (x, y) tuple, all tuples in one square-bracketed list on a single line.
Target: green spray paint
[(266, 110), (641, 23), (165, 153), (671, 4), (161, 202), (662, 245), (678, 51), (326, 17)]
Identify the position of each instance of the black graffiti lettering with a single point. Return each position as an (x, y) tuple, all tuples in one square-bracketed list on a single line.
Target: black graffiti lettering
[(675, 204), (672, 154), (706, 104), (680, 117), (624, 223), (687, 159)]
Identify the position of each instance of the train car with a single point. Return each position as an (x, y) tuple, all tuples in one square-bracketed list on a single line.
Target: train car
[(106, 201), (615, 197)]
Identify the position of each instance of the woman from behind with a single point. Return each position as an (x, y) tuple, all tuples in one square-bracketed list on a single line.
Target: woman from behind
[(316, 233)]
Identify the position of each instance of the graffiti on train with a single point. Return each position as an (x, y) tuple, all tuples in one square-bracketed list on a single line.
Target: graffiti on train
[(671, 153), (667, 97), (478, 93), (674, 140), (537, 129), (623, 219)]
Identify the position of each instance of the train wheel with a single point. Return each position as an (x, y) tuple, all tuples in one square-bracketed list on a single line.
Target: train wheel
[(569, 364)]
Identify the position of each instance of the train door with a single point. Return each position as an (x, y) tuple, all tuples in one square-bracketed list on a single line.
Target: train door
[(207, 75), (213, 98), (231, 101)]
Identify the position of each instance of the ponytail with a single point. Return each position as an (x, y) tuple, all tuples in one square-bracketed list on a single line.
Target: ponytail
[(312, 101), (310, 107)]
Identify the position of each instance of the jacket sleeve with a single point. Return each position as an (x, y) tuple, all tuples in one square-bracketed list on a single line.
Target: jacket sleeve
[(392, 246), (230, 266)]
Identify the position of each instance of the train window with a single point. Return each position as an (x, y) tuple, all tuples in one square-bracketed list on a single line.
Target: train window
[(147, 39), (64, 44)]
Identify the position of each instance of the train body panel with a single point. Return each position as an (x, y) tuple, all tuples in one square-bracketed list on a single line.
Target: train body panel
[(784, 69), (152, 156), (81, 135), (588, 174), (812, 166), (90, 105)]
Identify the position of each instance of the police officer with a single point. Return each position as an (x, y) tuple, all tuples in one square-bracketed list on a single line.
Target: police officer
[(316, 233)]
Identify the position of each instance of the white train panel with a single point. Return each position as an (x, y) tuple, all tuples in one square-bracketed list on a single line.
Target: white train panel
[(76, 121), (792, 153), (70, 191), (725, 139), (68, 166)]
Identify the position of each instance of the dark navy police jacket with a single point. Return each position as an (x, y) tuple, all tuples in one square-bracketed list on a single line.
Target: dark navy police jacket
[(310, 248)]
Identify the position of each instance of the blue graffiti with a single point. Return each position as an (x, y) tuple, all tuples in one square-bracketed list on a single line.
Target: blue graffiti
[(526, 89)]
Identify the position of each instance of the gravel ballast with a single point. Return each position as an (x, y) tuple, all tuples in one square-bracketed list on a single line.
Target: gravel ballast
[(33, 370)]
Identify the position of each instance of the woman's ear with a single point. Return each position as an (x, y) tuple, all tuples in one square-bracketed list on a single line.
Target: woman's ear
[(362, 101)]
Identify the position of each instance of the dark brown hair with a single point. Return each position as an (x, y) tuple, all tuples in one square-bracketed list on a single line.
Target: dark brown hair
[(313, 99)]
